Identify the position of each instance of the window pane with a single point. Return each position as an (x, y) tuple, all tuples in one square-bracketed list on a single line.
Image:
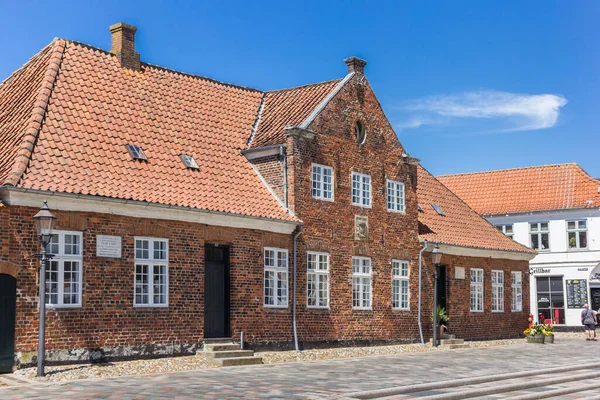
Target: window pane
[(356, 199), (396, 293), (311, 296), (544, 226), (53, 245), (571, 225), (556, 284), (71, 282), (572, 240), (535, 244), (282, 259), (533, 227), (269, 287), (583, 240), (323, 290), (142, 287), (545, 241), (160, 284), (282, 291), (52, 282), (509, 229), (316, 184), (582, 224), (543, 284), (355, 292), (160, 250), (269, 258), (356, 265), (328, 183)]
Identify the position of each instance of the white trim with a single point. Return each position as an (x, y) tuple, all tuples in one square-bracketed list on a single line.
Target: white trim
[(322, 197), (325, 101), (465, 251), (260, 152), (151, 262), (106, 205), (496, 286), (514, 286), (60, 258), (396, 185), (361, 275), (401, 278), (277, 269), (476, 285), (317, 273)]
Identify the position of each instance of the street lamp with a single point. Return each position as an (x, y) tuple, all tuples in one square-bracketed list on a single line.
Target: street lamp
[(44, 224), (436, 258)]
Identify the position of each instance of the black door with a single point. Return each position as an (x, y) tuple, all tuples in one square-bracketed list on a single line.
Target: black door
[(8, 303), (441, 287), (595, 292), (216, 292)]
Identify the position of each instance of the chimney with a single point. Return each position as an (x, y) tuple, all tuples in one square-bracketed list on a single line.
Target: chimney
[(356, 64), (123, 45)]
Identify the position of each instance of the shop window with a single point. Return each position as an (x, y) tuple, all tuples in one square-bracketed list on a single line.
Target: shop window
[(577, 233), (539, 236), (551, 298)]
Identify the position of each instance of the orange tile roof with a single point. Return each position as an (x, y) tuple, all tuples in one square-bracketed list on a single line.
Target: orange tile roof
[(67, 116), (547, 187), (460, 226), (288, 107)]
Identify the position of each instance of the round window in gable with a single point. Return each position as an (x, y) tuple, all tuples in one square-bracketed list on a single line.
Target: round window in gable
[(360, 132)]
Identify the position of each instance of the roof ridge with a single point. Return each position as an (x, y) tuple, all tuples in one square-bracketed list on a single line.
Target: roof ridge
[(510, 169), (304, 86), (169, 69), (38, 114)]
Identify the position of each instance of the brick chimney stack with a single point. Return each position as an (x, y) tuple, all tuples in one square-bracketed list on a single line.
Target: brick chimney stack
[(356, 64), (123, 45)]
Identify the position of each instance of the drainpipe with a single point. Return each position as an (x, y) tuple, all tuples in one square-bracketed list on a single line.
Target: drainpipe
[(294, 294), (420, 274), (283, 154)]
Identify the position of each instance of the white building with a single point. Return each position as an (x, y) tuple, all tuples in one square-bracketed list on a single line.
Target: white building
[(556, 210)]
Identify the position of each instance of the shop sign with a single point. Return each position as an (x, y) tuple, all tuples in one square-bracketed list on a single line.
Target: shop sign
[(539, 271), (582, 269)]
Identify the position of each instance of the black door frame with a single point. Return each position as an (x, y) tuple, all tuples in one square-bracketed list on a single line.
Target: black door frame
[(7, 360), (227, 283)]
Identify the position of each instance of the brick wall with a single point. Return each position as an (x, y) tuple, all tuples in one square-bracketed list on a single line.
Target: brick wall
[(271, 169)]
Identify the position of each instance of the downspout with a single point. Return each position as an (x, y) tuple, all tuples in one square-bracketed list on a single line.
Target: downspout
[(283, 154), (294, 290), (420, 275)]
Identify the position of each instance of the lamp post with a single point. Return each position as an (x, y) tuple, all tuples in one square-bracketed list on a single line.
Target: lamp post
[(436, 258), (44, 224)]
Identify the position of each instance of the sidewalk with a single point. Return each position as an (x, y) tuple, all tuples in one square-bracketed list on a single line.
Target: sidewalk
[(321, 379)]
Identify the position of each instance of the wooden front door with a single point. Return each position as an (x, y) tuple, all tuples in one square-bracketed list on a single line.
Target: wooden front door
[(216, 292)]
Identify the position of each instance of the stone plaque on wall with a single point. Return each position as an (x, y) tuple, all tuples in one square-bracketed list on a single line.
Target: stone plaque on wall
[(108, 246), (361, 227), (459, 273)]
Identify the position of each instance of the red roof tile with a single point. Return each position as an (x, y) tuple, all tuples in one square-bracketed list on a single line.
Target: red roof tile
[(96, 108), (288, 107), (548, 187), (460, 226)]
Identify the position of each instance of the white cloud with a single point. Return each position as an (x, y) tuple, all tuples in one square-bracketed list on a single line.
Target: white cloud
[(519, 111)]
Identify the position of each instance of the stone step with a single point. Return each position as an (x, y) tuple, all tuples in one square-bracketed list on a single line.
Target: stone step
[(229, 354), (218, 341), (448, 336), (229, 362), (451, 341), (221, 347), (457, 346)]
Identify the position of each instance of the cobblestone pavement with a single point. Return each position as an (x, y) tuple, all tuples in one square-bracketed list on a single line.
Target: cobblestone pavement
[(319, 379)]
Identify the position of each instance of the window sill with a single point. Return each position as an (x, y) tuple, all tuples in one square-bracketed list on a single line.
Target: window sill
[(400, 309), (477, 311), (516, 311), (323, 199), (498, 311), (269, 307), (150, 306), (396, 212), (362, 308), (316, 308), (62, 306)]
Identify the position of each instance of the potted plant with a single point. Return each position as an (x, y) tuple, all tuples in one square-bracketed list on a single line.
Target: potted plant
[(535, 334), (442, 318), (549, 333)]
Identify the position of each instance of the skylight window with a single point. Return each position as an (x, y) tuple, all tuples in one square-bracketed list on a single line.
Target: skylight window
[(136, 152), (189, 161), (419, 207), (437, 208)]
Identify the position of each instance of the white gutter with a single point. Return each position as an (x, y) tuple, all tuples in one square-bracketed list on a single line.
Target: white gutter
[(132, 208), (467, 251), (420, 279)]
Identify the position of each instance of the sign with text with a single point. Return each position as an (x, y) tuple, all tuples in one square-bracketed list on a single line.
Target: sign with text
[(108, 246), (577, 294)]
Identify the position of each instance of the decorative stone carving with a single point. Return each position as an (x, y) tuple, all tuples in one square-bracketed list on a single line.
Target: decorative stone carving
[(361, 227)]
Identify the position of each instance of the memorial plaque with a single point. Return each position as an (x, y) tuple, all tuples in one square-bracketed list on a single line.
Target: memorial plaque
[(361, 227), (108, 246)]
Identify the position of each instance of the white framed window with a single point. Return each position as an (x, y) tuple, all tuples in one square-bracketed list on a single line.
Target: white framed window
[(317, 284), (276, 277), (497, 291), (64, 278), (400, 285), (322, 182), (577, 234), (539, 236), (361, 283), (506, 229), (151, 282), (361, 190), (516, 284), (395, 196), (476, 289)]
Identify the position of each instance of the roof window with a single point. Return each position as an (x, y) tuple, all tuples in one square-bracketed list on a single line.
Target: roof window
[(419, 207), (136, 152), (437, 208), (189, 161)]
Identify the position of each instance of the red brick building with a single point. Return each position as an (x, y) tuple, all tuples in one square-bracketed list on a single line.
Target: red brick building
[(190, 208)]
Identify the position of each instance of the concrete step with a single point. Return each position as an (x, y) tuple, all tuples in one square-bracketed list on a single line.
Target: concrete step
[(451, 341), (218, 341), (448, 336), (516, 385), (229, 354), (221, 347), (229, 362)]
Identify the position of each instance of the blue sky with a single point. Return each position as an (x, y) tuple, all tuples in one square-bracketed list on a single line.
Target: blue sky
[(468, 86)]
